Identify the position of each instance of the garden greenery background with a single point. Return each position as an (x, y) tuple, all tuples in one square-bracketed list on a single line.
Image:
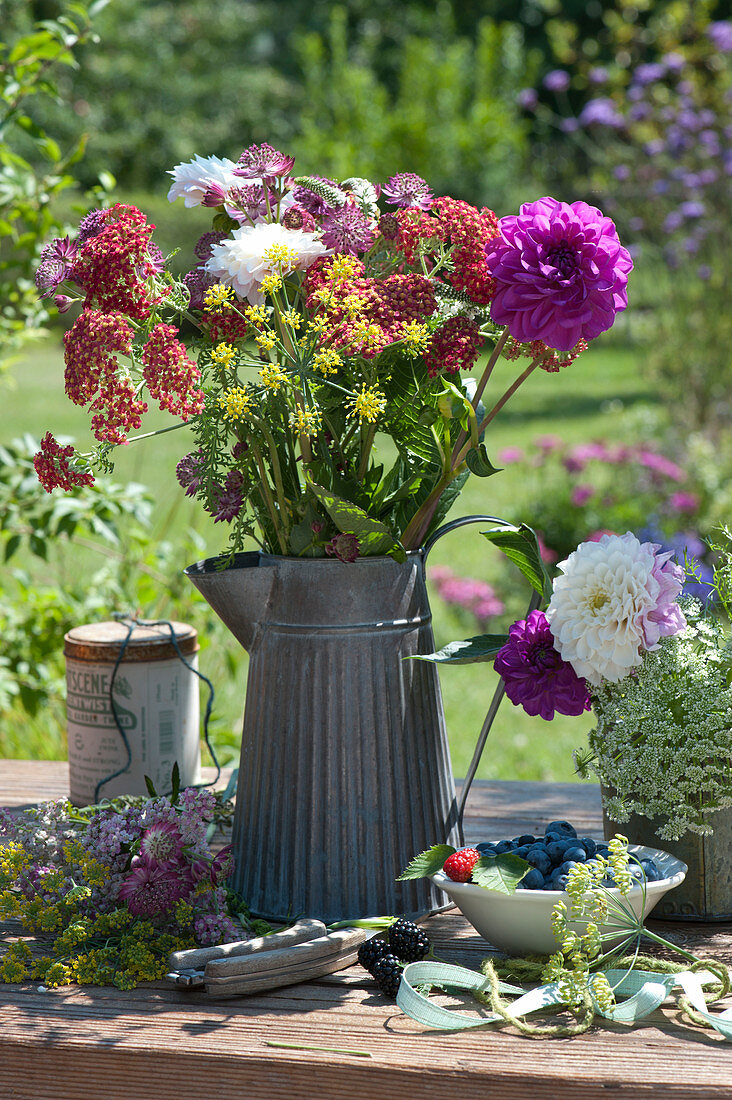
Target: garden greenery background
[(625, 104)]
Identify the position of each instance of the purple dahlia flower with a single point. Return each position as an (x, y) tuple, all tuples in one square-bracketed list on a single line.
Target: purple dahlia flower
[(561, 273), (535, 676), (407, 189)]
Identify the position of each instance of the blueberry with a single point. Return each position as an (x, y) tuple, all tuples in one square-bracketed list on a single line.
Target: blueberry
[(577, 853), (556, 850), (539, 857), (522, 850), (527, 838), (533, 879), (653, 874), (562, 827), (602, 849), (589, 845), (486, 849), (503, 846), (560, 882)]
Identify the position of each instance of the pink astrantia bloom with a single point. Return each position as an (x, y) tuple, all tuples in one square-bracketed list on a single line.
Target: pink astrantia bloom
[(613, 600), (161, 842), (408, 190), (263, 162), (154, 888), (561, 273)]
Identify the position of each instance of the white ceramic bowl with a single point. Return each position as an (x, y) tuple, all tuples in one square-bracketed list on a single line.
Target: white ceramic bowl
[(520, 923)]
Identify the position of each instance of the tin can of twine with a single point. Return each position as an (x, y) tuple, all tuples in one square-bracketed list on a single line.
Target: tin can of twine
[(155, 700)]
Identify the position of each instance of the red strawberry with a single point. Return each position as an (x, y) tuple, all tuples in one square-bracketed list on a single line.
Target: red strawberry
[(459, 866)]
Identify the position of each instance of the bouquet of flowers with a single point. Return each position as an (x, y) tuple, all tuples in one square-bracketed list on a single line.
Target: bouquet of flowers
[(114, 888), (315, 322), (655, 670)]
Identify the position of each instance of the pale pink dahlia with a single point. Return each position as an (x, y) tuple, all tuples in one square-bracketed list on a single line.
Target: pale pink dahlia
[(614, 599), (561, 273)]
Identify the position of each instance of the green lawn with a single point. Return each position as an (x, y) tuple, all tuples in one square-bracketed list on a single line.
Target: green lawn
[(581, 403)]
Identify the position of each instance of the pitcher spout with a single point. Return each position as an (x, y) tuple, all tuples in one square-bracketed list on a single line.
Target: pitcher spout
[(238, 593)]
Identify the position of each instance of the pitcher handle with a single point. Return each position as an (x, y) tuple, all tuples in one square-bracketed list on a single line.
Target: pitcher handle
[(500, 691)]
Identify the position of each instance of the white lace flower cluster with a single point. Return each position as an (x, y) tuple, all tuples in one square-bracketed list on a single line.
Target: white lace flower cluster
[(663, 739)]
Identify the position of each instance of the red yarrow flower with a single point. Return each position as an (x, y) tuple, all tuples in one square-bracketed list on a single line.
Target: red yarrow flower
[(54, 469), (455, 344), (115, 264), (468, 230), (171, 377), (93, 373)]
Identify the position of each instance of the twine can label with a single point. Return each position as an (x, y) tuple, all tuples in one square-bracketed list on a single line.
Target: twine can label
[(156, 701)]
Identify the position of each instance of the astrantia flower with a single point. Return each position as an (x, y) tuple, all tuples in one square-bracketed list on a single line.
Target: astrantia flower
[(192, 180), (534, 673), (240, 261), (408, 189), (262, 161), (161, 842), (344, 547), (153, 888), (615, 598), (348, 231), (561, 273)]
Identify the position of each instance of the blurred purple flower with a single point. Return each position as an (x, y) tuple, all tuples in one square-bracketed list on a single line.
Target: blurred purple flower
[(720, 35), (659, 464), (621, 172), (569, 125), (684, 502), (556, 81), (639, 111), (601, 112), (704, 272), (693, 209), (535, 676), (648, 74), (674, 62), (509, 455), (598, 75), (673, 221), (581, 494), (561, 273), (475, 596), (653, 148), (527, 99)]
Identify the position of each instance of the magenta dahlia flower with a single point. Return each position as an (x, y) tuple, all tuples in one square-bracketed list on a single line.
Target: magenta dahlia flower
[(535, 676), (561, 273)]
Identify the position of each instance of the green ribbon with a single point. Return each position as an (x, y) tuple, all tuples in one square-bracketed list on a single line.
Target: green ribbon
[(642, 991)]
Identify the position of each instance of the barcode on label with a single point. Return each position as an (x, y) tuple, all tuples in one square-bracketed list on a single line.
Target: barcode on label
[(166, 731)]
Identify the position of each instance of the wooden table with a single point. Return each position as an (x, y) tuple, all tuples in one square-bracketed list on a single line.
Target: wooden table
[(92, 1043)]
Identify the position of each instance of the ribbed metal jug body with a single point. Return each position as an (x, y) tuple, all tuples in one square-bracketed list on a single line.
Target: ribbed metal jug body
[(345, 771)]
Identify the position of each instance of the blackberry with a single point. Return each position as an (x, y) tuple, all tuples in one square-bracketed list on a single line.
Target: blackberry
[(370, 951), (409, 943), (387, 973)]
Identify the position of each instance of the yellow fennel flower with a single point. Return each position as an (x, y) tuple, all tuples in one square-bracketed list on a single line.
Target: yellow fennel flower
[(224, 355), (273, 377), (368, 404), (218, 297), (270, 284), (305, 421), (236, 403), (327, 361)]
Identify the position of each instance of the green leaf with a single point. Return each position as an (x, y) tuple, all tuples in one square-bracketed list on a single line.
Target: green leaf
[(427, 863), (483, 647), (478, 462), (11, 546), (374, 538), (520, 545), (175, 783), (500, 873), (150, 787)]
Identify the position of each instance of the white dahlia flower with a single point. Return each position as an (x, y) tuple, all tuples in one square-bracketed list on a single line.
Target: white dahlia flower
[(255, 251), (612, 602), (192, 179)]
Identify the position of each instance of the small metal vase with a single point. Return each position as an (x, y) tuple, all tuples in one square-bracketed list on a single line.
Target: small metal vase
[(706, 892), (345, 771)]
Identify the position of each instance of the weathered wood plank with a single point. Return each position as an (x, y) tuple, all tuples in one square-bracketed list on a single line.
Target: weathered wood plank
[(79, 1043)]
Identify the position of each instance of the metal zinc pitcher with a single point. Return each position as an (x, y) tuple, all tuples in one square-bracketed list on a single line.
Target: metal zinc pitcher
[(345, 770)]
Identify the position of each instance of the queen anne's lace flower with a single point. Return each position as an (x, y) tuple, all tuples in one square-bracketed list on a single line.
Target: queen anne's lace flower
[(240, 261), (613, 601)]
